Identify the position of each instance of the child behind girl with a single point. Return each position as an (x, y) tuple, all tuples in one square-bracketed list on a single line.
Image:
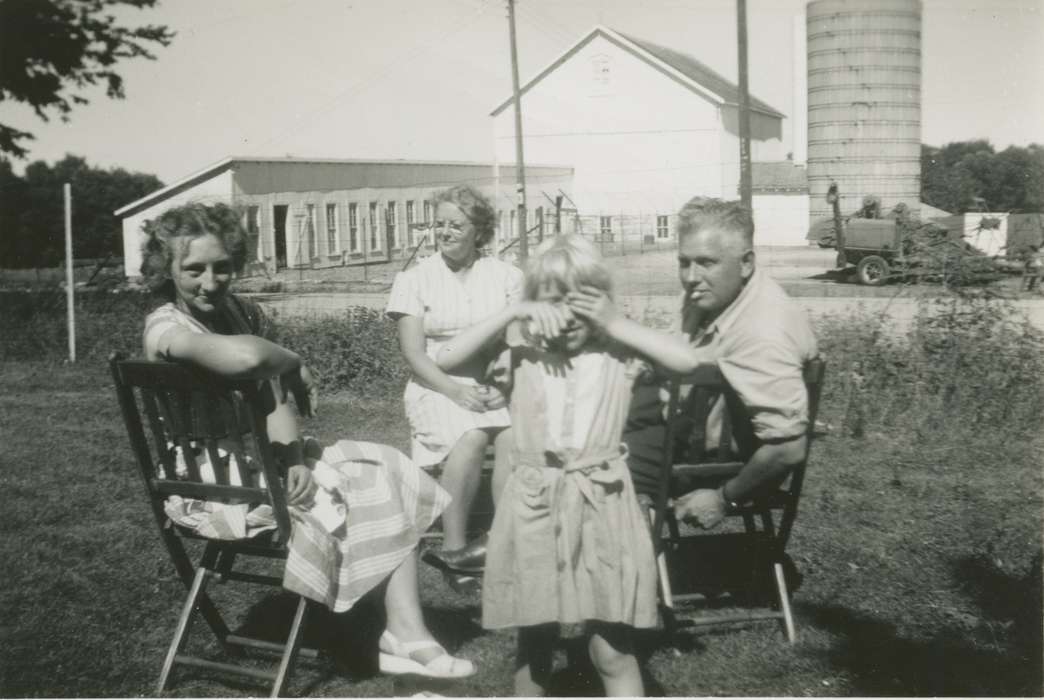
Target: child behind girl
[(569, 543)]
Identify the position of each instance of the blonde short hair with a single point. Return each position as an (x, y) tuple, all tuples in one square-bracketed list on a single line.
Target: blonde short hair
[(707, 212), (567, 262)]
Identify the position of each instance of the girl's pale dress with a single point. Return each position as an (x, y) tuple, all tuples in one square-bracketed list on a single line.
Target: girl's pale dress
[(569, 543)]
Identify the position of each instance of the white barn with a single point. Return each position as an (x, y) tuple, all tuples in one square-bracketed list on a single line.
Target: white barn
[(645, 128)]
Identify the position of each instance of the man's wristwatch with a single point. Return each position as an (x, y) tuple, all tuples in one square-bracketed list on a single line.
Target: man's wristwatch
[(729, 504)]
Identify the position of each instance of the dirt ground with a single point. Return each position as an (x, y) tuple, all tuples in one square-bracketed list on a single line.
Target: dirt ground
[(803, 271), (647, 289)]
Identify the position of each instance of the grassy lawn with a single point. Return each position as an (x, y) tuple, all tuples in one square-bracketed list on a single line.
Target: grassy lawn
[(919, 543)]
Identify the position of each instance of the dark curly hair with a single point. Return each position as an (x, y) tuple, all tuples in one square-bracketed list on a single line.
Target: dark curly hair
[(168, 235), (476, 207)]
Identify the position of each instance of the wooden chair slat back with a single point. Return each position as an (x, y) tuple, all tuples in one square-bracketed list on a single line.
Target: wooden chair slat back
[(685, 434), (693, 398), (814, 374), (151, 406), (205, 418)]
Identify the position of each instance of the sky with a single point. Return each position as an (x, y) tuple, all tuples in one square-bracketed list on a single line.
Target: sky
[(417, 79)]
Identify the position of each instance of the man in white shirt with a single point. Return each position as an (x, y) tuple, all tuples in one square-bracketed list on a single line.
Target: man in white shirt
[(740, 319)]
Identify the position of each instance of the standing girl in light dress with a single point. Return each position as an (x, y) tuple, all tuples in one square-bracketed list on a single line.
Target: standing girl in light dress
[(569, 543)]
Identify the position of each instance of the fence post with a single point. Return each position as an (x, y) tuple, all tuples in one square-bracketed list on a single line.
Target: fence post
[(69, 282), (641, 232), (623, 236), (601, 235), (366, 244)]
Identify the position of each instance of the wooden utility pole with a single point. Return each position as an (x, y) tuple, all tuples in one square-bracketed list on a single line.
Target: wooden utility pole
[(746, 184), (520, 167)]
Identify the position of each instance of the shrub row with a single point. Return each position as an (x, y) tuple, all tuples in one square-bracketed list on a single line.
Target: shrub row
[(358, 349), (969, 362)]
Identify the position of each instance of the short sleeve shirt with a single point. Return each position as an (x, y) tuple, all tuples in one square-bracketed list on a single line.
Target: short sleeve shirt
[(761, 343), (450, 303)]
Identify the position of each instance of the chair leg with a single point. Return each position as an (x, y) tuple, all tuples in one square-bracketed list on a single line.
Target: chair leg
[(181, 632), (670, 623), (293, 643), (784, 602), (187, 573)]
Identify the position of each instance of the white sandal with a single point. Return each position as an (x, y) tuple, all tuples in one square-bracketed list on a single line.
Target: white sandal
[(397, 657)]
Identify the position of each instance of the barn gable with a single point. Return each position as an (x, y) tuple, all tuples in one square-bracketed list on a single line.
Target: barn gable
[(679, 66)]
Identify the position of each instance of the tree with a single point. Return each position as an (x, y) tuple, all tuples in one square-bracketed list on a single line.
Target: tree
[(970, 176), (52, 49), (35, 236)]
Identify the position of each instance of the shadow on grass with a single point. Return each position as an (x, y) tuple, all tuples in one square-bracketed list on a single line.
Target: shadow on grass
[(578, 678), (882, 663), (1015, 602), (347, 641)]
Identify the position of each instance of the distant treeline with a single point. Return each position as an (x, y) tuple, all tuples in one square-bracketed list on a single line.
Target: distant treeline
[(32, 217), (958, 177), (968, 176)]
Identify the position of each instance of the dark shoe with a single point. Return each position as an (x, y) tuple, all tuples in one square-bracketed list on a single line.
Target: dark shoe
[(463, 584), (469, 559)]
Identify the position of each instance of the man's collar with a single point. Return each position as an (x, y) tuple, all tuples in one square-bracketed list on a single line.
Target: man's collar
[(728, 317)]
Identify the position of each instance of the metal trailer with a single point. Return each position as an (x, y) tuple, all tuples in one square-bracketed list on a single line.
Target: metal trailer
[(875, 247)]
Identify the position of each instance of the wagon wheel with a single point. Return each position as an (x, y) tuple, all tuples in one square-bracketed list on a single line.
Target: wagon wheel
[(872, 271)]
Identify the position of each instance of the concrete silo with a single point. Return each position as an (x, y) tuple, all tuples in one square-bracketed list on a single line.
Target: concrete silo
[(864, 102)]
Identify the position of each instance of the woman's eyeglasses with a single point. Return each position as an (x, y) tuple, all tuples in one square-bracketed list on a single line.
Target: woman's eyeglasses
[(456, 227)]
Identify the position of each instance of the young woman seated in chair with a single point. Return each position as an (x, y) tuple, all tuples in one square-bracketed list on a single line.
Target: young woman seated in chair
[(191, 253)]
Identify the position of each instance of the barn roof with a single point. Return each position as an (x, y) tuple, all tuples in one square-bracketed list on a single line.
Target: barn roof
[(778, 176), (680, 66), (231, 161)]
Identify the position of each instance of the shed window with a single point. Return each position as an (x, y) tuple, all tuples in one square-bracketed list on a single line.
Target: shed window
[(411, 216), (375, 227), (253, 219), (310, 229), (663, 229), (391, 216), (605, 225), (353, 227), (332, 244)]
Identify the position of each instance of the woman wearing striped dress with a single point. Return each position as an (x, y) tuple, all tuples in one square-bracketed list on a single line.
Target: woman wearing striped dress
[(454, 417), (190, 255)]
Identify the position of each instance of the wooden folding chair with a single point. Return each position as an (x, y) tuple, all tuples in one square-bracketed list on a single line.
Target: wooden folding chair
[(750, 557), (199, 414)]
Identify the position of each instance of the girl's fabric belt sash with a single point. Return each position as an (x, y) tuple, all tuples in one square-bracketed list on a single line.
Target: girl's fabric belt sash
[(580, 472), (570, 460)]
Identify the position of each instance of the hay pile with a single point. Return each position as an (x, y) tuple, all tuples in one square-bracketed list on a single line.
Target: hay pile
[(932, 252)]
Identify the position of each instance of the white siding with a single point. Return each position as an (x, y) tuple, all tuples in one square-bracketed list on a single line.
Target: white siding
[(780, 219), (640, 140)]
